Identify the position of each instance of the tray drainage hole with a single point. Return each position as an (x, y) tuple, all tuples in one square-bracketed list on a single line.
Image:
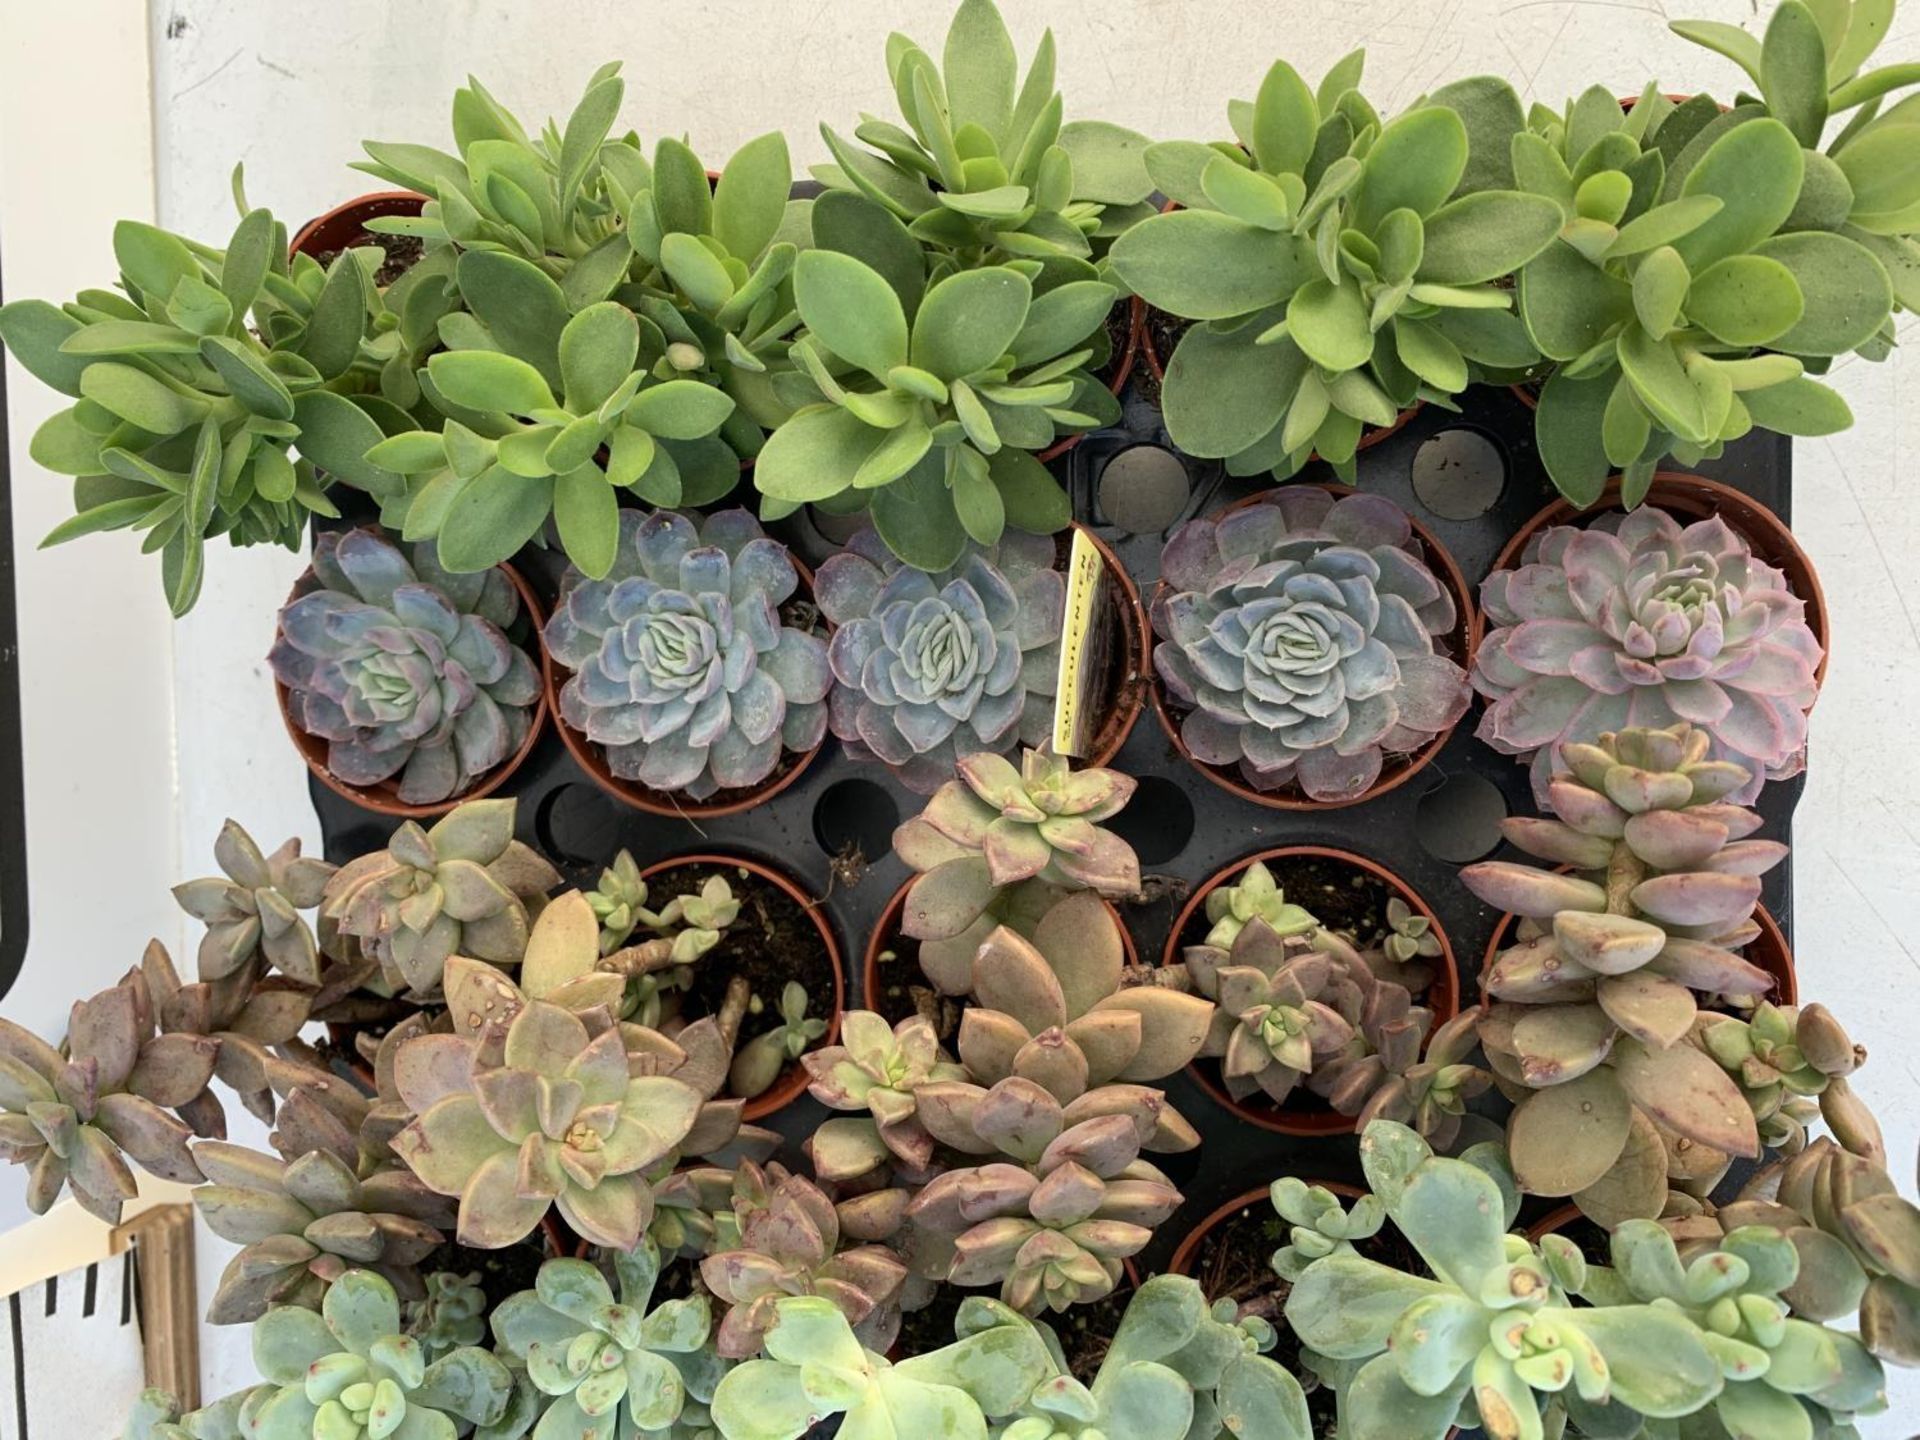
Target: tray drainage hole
[(1459, 474), (1458, 820), (578, 825), (1157, 822), (1143, 489), (856, 815)]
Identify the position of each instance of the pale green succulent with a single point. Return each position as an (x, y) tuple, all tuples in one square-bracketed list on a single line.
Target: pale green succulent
[(760, 1059), (1319, 1225)]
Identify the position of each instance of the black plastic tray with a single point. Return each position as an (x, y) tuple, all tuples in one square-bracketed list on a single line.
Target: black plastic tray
[(1184, 826)]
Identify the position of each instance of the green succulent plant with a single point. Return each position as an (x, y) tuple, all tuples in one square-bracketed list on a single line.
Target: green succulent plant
[(633, 1367), (1782, 1058), (986, 168), (876, 1068), (452, 1313), (206, 390), (350, 1372), (252, 908), (760, 1059), (1342, 268), (1255, 895), (1318, 1224)]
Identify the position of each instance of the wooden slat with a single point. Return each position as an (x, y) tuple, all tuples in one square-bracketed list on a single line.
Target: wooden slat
[(162, 1241)]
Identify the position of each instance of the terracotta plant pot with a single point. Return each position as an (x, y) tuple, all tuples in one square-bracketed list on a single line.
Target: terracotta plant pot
[(1554, 1221), (886, 930), (1694, 497), (793, 1079), (1462, 640), (383, 798), (346, 224), (1122, 363), (1442, 995), (591, 756), (1188, 1249), (1769, 951)]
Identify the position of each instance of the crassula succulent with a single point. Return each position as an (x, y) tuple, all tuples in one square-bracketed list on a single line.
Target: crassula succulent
[(406, 672), (683, 667), (1638, 620), (932, 668), (1300, 637), (1597, 995)]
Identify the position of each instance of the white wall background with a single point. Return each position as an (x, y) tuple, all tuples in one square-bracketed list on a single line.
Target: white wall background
[(292, 89)]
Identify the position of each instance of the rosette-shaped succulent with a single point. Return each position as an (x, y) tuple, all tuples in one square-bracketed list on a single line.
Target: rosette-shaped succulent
[(558, 1123), (403, 668), (254, 912), (682, 666), (68, 1115), (1781, 1057), (460, 887), (790, 1244), (607, 1363), (1300, 636), (1603, 982), (997, 827), (350, 1372), (303, 1223), (934, 668), (1637, 620), (1053, 1009), (1318, 1224), (1254, 895), (1052, 1222), (876, 1068)]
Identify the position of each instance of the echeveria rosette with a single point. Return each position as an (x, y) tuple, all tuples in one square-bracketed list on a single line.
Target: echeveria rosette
[(1300, 634), (1638, 621), (404, 669), (932, 668), (682, 667), (350, 1372)]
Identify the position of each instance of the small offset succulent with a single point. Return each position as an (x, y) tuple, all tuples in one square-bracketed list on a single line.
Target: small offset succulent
[(558, 1123), (598, 1360), (986, 170), (1639, 620), (682, 666), (461, 887), (350, 1371), (1782, 1058), (1052, 1222), (875, 1068), (1255, 895), (790, 1243), (404, 669), (452, 1313), (1598, 994), (997, 827), (1318, 1224), (1344, 264), (758, 1062), (252, 909), (814, 1368), (1489, 1335), (932, 668), (192, 383), (1301, 635), (677, 935)]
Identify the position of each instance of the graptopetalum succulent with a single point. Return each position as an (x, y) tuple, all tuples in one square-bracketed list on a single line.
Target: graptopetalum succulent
[(932, 668), (1596, 999), (878, 1069), (1637, 620), (683, 667), (406, 671), (1302, 637)]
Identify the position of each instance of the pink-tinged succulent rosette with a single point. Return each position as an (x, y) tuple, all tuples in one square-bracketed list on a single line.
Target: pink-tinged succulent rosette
[(1637, 620)]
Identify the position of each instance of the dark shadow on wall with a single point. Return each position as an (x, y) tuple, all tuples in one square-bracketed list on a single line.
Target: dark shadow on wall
[(13, 829)]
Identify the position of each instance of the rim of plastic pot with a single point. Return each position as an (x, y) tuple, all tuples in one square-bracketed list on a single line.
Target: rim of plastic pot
[(1185, 1252), (1694, 497), (591, 756), (337, 228), (1464, 637), (380, 798), (793, 1079), (1122, 371), (1442, 994), (1769, 950), (887, 928)]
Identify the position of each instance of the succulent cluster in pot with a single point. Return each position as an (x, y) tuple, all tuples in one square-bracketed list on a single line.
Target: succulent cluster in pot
[(509, 1189)]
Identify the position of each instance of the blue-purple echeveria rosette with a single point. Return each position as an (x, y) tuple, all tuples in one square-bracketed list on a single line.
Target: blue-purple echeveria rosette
[(1639, 621), (404, 669), (931, 668), (1298, 636), (682, 667)]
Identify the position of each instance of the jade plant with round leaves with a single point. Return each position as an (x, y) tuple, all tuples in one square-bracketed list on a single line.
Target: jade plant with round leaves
[(932, 668), (1639, 620), (683, 666), (1343, 267), (1301, 635)]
